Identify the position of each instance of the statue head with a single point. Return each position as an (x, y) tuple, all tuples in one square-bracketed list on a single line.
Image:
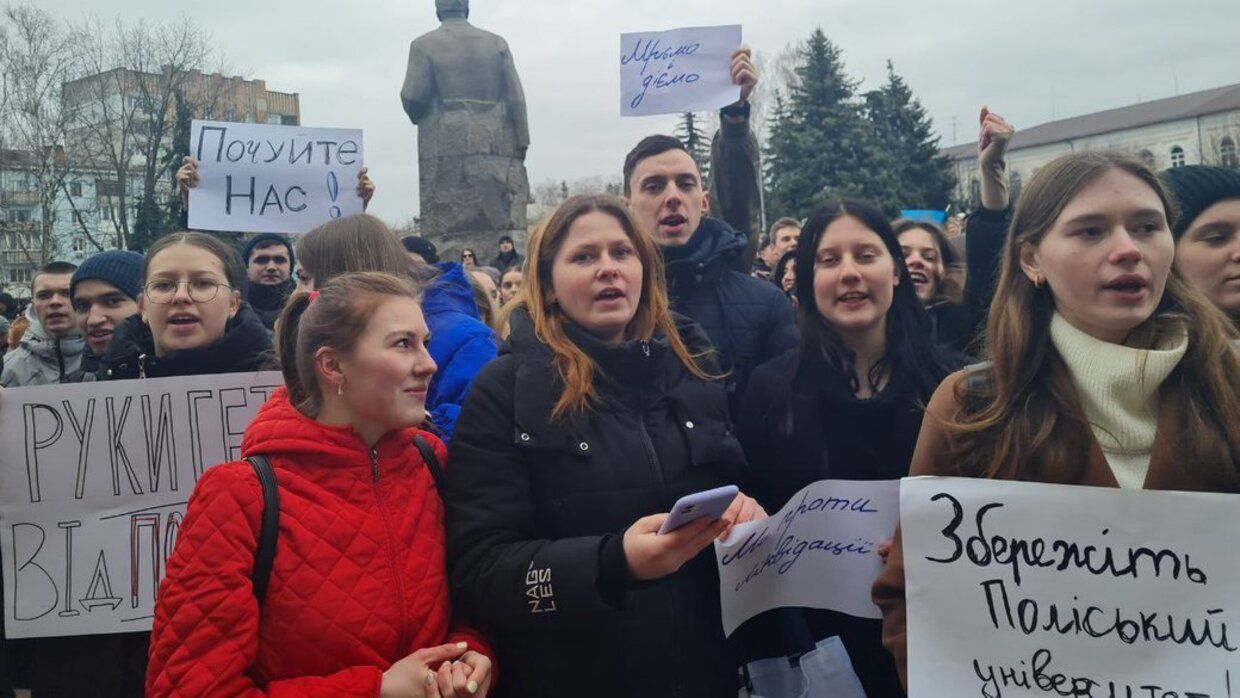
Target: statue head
[(451, 9)]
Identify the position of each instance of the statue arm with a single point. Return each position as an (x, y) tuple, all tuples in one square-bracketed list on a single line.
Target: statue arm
[(419, 88), (514, 95)]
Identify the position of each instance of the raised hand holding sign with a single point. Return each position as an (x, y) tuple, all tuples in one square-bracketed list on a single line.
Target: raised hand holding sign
[(266, 178)]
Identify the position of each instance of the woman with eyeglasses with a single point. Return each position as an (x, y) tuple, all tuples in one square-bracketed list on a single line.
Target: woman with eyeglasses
[(191, 319), (468, 258)]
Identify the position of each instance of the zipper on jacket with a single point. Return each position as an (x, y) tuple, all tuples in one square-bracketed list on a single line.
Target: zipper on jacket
[(645, 348), (651, 454), (142, 365), (393, 559), (60, 361)]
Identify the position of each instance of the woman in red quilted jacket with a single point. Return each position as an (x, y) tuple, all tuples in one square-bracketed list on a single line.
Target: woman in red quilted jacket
[(357, 603)]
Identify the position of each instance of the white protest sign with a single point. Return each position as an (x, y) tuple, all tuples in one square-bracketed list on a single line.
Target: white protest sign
[(1020, 589), (261, 178), (680, 70), (94, 478), (819, 551)]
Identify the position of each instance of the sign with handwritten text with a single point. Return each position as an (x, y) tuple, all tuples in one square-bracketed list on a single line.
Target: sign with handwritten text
[(262, 178), (1026, 589), (94, 478), (680, 70), (819, 551)]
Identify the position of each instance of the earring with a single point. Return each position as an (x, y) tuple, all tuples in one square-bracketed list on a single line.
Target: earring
[(1038, 281), (340, 388)]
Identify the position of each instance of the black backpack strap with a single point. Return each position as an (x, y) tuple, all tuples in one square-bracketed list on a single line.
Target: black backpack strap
[(431, 460), (269, 526)]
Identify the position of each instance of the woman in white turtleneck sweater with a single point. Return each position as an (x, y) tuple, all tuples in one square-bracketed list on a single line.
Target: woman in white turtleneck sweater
[(1105, 368)]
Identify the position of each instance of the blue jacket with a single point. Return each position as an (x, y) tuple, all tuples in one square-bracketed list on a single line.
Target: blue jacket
[(747, 319), (461, 344)]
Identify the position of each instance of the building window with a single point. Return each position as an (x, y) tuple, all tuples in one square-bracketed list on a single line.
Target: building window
[(1148, 158), (1014, 185), (75, 188), (1227, 152), (1177, 156), (288, 120), (975, 193), (274, 119)]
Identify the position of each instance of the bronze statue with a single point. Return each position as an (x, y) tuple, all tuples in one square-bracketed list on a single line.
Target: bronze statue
[(463, 93)]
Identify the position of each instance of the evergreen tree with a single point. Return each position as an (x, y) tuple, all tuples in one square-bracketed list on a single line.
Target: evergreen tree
[(177, 153), (149, 224), (918, 176), (821, 146), (697, 142)]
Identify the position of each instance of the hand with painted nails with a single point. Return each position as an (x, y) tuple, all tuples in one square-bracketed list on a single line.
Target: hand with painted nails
[(414, 677), (467, 677)]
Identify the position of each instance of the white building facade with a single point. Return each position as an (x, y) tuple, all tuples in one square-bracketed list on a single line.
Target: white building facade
[(1194, 129)]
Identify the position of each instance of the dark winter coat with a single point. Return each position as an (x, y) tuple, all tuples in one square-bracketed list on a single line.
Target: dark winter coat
[(537, 509), (958, 326), (461, 344), (268, 301), (503, 260), (735, 175), (800, 423), (748, 320), (115, 665), (245, 346)]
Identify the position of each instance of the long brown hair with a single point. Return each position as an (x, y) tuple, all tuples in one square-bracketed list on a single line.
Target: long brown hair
[(575, 367), (1024, 416), (333, 316), (352, 244)]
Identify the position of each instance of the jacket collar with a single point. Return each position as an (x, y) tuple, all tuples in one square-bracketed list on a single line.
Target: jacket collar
[(629, 375), (245, 346), (707, 255), (280, 429), (38, 342)]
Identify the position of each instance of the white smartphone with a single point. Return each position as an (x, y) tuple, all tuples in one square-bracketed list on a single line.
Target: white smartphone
[(700, 505)]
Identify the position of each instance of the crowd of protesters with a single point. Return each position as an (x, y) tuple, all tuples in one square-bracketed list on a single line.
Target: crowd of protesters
[(448, 431)]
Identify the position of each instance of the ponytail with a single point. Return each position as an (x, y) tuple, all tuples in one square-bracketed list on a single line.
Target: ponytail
[(286, 346)]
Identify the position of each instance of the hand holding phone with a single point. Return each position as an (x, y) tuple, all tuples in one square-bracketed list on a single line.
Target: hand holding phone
[(700, 505)]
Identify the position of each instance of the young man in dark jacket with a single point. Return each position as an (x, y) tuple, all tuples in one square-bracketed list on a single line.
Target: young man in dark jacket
[(104, 292), (508, 255), (707, 260), (269, 263)]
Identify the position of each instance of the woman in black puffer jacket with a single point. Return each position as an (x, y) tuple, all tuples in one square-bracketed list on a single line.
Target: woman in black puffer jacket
[(600, 411), (192, 320)]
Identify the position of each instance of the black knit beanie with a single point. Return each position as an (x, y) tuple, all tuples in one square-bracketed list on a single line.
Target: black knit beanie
[(121, 268), (264, 240), (1198, 187)]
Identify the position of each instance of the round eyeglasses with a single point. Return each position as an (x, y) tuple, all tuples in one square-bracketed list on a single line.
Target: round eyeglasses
[(200, 290)]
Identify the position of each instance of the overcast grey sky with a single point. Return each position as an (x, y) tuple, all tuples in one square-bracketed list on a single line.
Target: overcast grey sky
[(1027, 60)]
